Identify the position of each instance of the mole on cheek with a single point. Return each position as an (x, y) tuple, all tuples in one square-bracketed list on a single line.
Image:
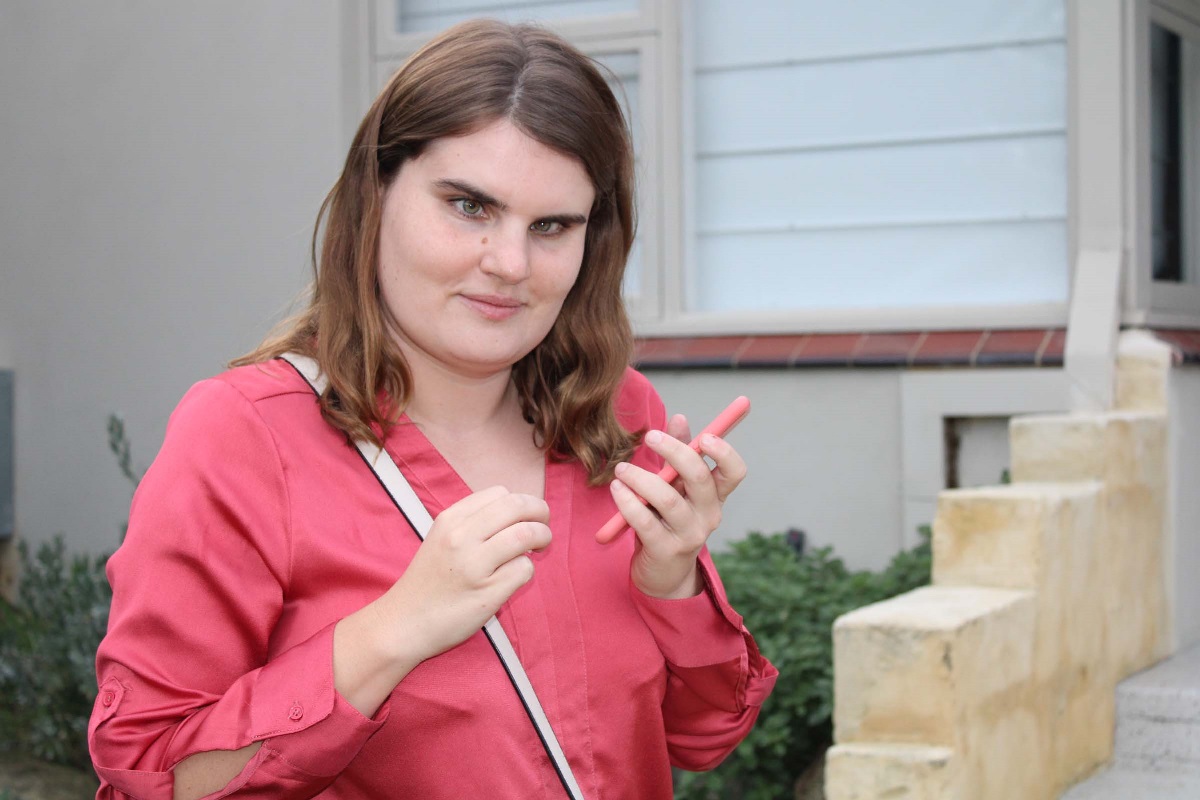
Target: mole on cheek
[(484, 240)]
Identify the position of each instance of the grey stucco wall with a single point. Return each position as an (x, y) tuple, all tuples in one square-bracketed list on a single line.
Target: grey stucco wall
[(161, 169), (823, 451)]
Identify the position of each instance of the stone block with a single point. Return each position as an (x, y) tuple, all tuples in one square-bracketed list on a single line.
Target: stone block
[(1121, 448), (1047, 538), (892, 771), (1143, 372), (1014, 537), (918, 668)]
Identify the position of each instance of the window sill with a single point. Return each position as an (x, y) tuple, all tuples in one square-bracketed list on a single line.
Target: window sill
[(1035, 347), (1039, 347)]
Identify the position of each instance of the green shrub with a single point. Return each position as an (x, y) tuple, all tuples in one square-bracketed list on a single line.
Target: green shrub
[(790, 602), (48, 647), (48, 642)]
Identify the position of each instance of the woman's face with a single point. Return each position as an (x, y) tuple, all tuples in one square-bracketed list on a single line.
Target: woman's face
[(481, 240)]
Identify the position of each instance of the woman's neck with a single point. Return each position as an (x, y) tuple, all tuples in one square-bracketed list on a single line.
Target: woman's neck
[(442, 398), (475, 422)]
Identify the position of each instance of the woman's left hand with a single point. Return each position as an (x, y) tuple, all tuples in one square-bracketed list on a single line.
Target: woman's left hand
[(681, 515)]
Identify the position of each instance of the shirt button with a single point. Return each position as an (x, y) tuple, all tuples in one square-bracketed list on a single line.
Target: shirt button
[(107, 698), (296, 712)]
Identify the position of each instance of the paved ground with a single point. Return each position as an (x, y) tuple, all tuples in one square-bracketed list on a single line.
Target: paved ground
[(1116, 784), (24, 778)]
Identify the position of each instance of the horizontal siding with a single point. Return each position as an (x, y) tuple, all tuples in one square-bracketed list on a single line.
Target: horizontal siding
[(910, 184), (726, 34), (432, 15), (933, 95), (876, 153), (969, 264)]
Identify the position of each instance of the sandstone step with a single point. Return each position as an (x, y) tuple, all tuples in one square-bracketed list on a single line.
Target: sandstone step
[(1121, 448), (894, 771), (1127, 452), (1020, 536), (913, 669)]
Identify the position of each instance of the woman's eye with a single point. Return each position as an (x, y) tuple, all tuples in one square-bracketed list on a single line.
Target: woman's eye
[(469, 207), (546, 226)]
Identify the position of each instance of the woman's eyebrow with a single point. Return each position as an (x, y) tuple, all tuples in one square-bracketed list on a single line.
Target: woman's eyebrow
[(474, 191), (462, 187), (566, 219)]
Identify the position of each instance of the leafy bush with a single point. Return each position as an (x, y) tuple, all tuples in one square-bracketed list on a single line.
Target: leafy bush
[(48, 647), (790, 601), (48, 642)]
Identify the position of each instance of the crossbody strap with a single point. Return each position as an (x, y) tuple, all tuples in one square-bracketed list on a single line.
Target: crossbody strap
[(406, 500)]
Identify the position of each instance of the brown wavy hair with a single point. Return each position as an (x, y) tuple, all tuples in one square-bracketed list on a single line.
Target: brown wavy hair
[(471, 75)]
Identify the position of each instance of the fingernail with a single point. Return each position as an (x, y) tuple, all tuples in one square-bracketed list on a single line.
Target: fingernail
[(708, 440), (654, 437), (620, 468), (617, 486)]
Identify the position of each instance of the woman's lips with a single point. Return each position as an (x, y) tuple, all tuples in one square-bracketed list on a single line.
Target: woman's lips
[(493, 307)]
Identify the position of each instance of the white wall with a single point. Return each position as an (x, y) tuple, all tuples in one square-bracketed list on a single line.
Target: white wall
[(1183, 558), (823, 449), (161, 167)]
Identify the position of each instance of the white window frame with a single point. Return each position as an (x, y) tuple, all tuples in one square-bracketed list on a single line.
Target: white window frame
[(658, 33), (678, 273), (1150, 302), (646, 21)]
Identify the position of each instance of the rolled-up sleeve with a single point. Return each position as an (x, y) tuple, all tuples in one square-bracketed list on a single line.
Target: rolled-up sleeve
[(198, 587), (717, 678)]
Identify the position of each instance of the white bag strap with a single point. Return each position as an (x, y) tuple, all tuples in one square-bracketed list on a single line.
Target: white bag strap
[(414, 511)]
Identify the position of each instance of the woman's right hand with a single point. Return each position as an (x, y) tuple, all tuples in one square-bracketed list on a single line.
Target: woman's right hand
[(471, 562)]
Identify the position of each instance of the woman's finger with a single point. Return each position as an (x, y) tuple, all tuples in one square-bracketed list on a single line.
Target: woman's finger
[(511, 542), (730, 468), (678, 428), (640, 517), (508, 509), (469, 505), (509, 577), (695, 479)]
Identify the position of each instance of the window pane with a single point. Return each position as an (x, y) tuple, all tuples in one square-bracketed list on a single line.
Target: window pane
[(432, 15), (625, 69), (1166, 155), (871, 153)]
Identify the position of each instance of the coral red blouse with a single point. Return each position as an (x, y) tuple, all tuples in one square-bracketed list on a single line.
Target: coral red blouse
[(258, 527)]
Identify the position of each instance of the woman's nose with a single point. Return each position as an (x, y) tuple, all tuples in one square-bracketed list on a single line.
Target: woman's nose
[(506, 254)]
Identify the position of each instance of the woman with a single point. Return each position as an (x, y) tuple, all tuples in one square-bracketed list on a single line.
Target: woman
[(277, 630)]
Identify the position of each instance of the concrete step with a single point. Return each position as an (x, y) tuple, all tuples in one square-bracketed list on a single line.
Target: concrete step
[(1126, 784), (1157, 749), (1158, 718)]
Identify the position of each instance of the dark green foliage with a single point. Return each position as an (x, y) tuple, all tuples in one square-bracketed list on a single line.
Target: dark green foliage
[(47, 654), (790, 602), (48, 642)]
